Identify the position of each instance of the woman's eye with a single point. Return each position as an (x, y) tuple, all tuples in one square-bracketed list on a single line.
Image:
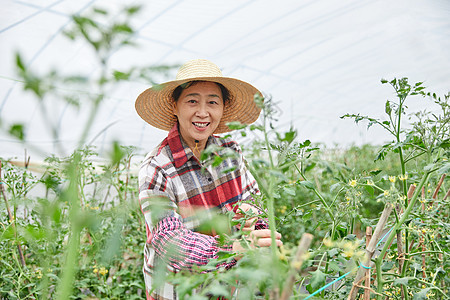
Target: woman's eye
[(191, 101), (212, 102)]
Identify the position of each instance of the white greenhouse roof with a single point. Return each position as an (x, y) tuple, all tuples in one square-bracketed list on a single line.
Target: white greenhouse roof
[(317, 59)]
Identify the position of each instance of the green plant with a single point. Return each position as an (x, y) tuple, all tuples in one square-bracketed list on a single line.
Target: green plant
[(428, 139), (81, 230)]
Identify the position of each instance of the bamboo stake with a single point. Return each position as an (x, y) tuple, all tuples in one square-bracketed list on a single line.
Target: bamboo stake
[(11, 218), (422, 236), (440, 255), (370, 250), (367, 285), (436, 191), (26, 163), (411, 190), (401, 253), (303, 247), (446, 195), (438, 186)]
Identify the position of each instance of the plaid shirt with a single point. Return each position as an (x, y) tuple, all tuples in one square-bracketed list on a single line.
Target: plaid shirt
[(171, 171)]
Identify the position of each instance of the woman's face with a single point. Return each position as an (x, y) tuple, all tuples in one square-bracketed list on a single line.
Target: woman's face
[(199, 110)]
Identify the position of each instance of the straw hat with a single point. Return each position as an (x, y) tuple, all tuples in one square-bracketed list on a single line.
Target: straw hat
[(155, 105)]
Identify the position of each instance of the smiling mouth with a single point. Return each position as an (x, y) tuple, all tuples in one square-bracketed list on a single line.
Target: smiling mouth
[(200, 125)]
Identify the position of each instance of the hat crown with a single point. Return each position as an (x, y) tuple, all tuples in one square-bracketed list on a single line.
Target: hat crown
[(198, 68)]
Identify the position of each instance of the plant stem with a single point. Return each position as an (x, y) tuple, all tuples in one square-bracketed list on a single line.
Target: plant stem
[(271, 214), (64, 288), (330, 213), (406, 214), (423, 252), (266, 139), (400, 150)]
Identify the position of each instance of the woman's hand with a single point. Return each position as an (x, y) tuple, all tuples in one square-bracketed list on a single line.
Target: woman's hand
[(257, 238), (243, 211)]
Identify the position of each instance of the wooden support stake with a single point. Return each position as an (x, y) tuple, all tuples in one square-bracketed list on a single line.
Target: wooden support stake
[(422, 236), (438, 186), (401, 253), (303, 247), (411, 190), (367, 283), (446, 195), (370, 250)]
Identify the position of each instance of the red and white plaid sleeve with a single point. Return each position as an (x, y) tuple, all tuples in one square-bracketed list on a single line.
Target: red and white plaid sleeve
[(180, 247)]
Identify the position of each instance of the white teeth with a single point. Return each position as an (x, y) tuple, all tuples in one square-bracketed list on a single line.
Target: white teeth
[(201, 125)]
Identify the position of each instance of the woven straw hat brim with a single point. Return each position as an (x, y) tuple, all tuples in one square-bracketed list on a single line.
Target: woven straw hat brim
[(155, 105)]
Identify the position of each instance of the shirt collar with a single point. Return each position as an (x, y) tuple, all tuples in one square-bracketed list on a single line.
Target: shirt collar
[(180, 150)]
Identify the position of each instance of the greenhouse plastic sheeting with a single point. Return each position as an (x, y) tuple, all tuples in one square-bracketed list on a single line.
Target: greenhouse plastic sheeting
[(317, 60)]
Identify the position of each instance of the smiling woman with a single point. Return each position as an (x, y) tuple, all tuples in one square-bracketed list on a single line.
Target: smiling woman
[(195, 106)]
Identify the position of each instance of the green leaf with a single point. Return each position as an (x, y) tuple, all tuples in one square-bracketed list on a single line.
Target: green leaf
[(445, 144), (19, 62), (8, 233), (117, 153), (350, 237), (289, 191), (306, 143), (439, 272), (417, 266), (402, 281), (17, 130), (317, 281), (310, 166), (35, 232), (335, 186), (307, 184), (445, 169), (387, 266), (429, 167), (288, 136), (50, 181), (256, 127), (227, 170), (216, 289), (219, 224), (100, 11), (236, 125), (121, 75), (334, 266), (388, 108), (217, 161), (133, 9), (122, 28), (333, 252), (422, 295)]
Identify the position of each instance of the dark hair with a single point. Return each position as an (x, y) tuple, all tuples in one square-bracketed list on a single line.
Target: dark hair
[(179, 89)]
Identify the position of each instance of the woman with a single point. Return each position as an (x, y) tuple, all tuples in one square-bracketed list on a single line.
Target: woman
[(173, 183)]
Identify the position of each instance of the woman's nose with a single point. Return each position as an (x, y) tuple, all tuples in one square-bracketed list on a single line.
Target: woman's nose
[(202, 111)]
